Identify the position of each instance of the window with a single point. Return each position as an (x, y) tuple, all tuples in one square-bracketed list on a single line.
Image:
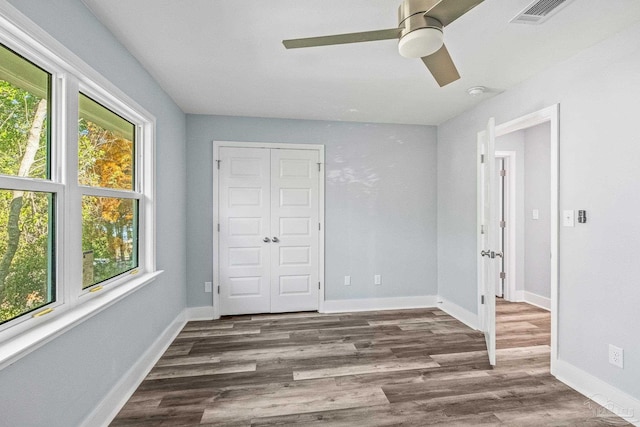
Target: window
[(76, 190), (27, 275), (106, 147)]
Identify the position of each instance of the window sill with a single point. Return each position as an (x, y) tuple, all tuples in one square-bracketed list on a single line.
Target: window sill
[(17, 347)]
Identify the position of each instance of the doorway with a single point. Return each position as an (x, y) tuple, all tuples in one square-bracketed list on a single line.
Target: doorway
[(487, 212), (268, 231), (523, 214), (522, 185)]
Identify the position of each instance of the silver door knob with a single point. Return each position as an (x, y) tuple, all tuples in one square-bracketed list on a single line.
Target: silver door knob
[(266, 240), (275, 240), (486, 253), (497, 254)]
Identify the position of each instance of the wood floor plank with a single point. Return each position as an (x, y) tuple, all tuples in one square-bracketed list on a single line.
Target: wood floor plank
[(192, 360), (380, 368), (229, 339), (289, 352), (178, 349), (218, 332), (285, 402), (374, 416), (207, 326), (190, 370), (390, 366)]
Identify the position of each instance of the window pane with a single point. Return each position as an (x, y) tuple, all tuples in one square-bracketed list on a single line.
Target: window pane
[(24, 110), (26, 252), (106, 147), (109, 238)]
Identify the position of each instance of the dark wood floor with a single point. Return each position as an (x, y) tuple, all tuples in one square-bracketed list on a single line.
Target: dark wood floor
[(384, 368)]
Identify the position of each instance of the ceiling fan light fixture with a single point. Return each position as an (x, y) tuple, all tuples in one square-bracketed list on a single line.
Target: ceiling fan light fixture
[(421, 42)]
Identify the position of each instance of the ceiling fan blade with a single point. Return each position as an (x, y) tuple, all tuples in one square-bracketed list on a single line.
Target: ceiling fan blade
[(448, 11), (367, 36), (441, 66)]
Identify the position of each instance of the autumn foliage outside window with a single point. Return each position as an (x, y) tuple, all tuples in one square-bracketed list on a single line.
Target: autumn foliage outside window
[(109, 224)]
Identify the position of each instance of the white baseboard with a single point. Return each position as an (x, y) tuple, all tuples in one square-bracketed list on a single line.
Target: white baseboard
[(465, 316), (537, 300), (370, 304), (199, 313), (613, 399), (519, 296), (106, 411)]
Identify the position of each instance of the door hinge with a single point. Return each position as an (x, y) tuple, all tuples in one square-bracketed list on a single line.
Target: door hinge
[(319, 227), (482, 299), (503, 275), (319, 167), (218, 228), (503, 224), (482, 229), (318, 285), (481, 158), (218, 161), (503, 172), (218, 289)]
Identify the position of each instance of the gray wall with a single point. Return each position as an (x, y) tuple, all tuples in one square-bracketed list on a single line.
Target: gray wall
[(61, 383), (380, 208), (537, 183), (599, 93)]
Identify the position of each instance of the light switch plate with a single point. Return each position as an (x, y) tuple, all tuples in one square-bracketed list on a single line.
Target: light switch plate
[(347, 280), (568, 218)]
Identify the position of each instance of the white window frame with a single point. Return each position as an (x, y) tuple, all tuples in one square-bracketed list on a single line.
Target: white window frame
[(70, 77)]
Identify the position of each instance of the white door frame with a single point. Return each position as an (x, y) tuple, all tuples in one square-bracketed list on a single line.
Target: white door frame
[(510, 250), (216, 214), (552, 116)]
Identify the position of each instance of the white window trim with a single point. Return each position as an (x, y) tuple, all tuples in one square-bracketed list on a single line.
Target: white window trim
[(70, 75)]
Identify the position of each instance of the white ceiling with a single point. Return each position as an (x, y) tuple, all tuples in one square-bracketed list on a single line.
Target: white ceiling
[(225, 57)]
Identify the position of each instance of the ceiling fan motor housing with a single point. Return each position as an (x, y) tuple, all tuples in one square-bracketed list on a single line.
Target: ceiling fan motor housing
[(411, 16), (420, 35)]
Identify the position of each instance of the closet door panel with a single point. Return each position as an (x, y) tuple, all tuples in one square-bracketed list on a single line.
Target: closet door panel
[(294, 224), (244, 211)]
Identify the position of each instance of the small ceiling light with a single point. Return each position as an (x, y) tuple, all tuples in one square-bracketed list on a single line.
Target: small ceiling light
[(421, 42), (476, 90)]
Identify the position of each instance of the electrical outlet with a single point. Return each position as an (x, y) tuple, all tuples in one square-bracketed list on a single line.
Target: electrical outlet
[(207, 287), (616, 356), (347, 280), (377, 279)]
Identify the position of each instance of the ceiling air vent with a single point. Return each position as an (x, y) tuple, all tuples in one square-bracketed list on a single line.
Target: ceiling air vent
[(539, 11)]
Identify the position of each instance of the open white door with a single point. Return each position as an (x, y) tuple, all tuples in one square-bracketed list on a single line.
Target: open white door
[(488, 261)]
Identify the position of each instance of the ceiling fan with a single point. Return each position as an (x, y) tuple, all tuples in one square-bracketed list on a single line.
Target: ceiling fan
[(419, 30)]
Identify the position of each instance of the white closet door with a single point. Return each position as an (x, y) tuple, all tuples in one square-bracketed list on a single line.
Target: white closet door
[(244, 211), (294, 228)]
